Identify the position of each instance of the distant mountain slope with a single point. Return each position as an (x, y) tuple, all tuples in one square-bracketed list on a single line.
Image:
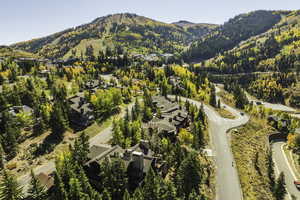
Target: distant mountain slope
[(127, 31), (6, 51), (197, 29), (275, 50), (230, 34)]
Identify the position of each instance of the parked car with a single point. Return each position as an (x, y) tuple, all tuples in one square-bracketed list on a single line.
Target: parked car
[(297, 184)]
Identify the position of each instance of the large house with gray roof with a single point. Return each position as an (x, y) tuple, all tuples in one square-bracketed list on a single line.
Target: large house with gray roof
[(138, 160), (82, 112), (170, 119)]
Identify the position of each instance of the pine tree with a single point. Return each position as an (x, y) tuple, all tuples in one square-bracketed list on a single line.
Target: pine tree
[(138, 195), (126, 195), (212, 98), (81, 148), (2, 155), (189, 175), (118, 137), (59, 188), (280, 190), (86, 186), (219, 103), (271, 174), (151, 187), (105, 195), (9, 188), (194, 196), (75, 192), (58, 123), (36, 191)]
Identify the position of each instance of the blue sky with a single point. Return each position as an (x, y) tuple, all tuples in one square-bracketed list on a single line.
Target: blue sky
[(26, 19)]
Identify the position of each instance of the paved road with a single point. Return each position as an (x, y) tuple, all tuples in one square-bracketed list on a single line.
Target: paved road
[(282, 165), (228, 185), (281, 162), (101, 138)]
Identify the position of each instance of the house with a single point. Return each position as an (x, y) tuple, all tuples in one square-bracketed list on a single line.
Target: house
[(44, 73), (169, 119), (138, 160), (92, 84), (276, 121), (82, 112), (14, 110), (46, 180)]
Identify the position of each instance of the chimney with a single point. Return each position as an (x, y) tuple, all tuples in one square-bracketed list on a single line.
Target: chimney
[(127, 155), (138, 158)]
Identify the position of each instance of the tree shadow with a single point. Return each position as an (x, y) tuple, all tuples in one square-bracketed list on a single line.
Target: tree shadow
[(48, 145)]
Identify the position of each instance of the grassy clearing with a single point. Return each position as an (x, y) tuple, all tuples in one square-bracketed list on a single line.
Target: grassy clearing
[(96, 127), (225, 113), (227, 98), (250, 150)]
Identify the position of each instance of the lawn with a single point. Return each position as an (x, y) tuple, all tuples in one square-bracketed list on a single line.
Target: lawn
[(250, 150)]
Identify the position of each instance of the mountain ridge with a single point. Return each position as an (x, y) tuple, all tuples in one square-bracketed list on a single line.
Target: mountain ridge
[(130, 31)]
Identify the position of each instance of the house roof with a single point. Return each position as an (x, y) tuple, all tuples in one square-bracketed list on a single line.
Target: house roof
[(45, 180), (97, 150), (17, 109), (141, 149), (79, 103)]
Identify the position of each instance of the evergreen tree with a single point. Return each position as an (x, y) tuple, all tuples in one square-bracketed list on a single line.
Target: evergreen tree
[(212, 98), (36, 191), (118, 137), (151, 187), (58, 123), (240, 98), (9, 188), (280, 190), (106, 195), (59, 188), (2, 157), (271, 174), (76, 192), (219, 103), (137, 195), (189, 175), (126, 195), (81, 148)]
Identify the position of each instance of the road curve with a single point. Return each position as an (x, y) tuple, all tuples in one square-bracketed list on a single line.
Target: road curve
[(228, 184), (282, 165)]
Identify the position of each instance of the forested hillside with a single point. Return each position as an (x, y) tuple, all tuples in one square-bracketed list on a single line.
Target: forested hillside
[(130, 32), (232, 33), (276, 50)]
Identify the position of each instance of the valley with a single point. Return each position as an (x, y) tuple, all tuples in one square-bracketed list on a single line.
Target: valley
[(127, 107)]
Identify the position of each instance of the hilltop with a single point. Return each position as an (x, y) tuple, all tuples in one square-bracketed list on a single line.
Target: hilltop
[(130, 32)]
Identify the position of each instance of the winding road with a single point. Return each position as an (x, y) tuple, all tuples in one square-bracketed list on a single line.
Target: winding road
[(228, 185), (282, 165), (280, 160)]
